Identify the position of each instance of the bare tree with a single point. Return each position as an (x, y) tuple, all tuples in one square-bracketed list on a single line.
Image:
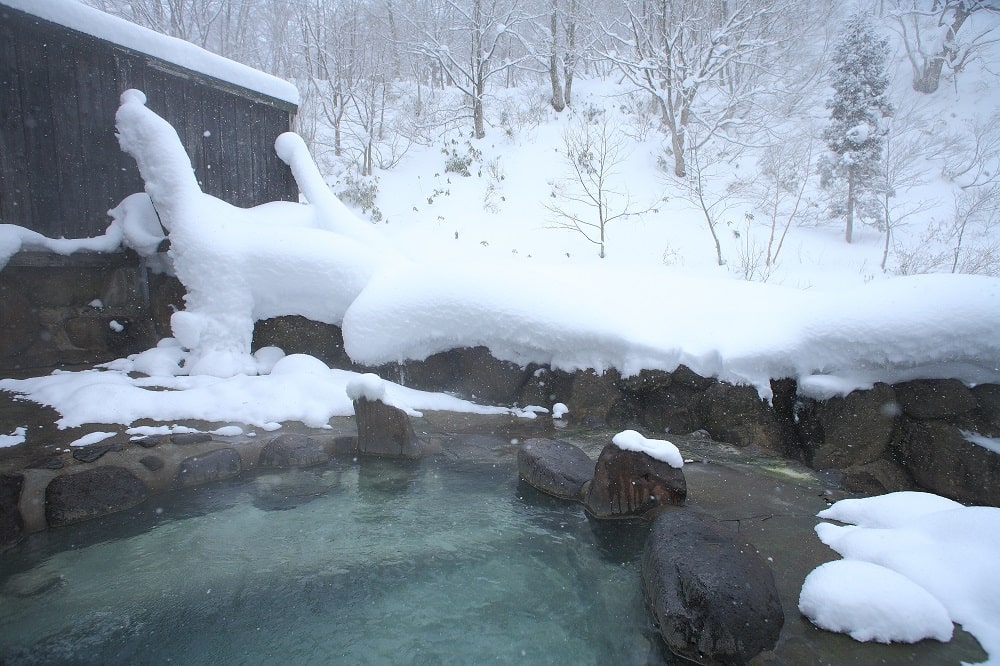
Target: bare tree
[(594, 152), (930, 31), (701, 61), (783, 167), (488, 26)]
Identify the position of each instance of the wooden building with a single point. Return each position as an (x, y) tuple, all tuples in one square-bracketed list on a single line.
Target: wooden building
[(63, 67)]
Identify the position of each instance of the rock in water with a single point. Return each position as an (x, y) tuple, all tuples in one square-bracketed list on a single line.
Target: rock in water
[(554, 467), (292, 450), (713, 599), (630, 483), (384, 430)]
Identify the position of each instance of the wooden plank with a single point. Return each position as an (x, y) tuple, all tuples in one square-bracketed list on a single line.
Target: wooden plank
[(14, 178), (40, 150), (243, 123), (68, 220)]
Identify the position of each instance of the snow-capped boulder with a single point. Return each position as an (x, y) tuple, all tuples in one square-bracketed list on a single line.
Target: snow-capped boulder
[(632, 480), (383, 430)]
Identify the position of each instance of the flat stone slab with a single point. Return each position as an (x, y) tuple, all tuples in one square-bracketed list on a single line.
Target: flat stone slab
[(714, 600), (554, 467), (211, 466), (292, 450), (95, 492)]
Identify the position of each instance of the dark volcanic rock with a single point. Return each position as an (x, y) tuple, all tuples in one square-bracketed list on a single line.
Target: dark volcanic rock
[(594, 397), (713, 599), (935, 398), (489, 379), (384, 430), (185, 438), (95, 492), (11, 521), (152, 463), (877, 478), (941, 460), (556, 468), (92, 452), (848, 431), (211, 466), (630, 483), (292, 450), (737, 415)]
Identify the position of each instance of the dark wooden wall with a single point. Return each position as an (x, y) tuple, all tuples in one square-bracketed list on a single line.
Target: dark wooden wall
[(61, 168)]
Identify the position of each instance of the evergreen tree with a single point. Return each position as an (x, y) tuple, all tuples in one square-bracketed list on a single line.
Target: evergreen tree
[(858, 109)]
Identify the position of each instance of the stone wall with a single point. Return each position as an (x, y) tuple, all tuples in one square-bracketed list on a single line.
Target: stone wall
[(50, 316), (884, 439)]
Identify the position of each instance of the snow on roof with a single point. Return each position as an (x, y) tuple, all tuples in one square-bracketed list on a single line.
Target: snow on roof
[(81, 18)]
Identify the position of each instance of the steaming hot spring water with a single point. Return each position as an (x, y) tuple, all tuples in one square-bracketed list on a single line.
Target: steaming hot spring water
[(354, 562), (450, 559)]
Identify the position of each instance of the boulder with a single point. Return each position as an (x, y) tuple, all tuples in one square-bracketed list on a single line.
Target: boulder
[(877, 478), (852, 430), (941, 460), (95, 492), (688, 378), (935, 398), (646, 381), (988, 412), (554, 467), (295, 334), (594, 397), (631, 483), (670, 409), (292, 450), (737, 415), (713, 599), (437, 372), (211, 466), (11, 521), (487, 379), (545, 387), (384, 430)]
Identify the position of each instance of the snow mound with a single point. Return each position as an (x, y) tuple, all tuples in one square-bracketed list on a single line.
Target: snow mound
[(946, 550), (872, 603), (892, 510), (660, 449)]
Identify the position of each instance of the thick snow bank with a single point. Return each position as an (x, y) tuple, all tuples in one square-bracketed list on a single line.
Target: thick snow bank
[(94, 22), (943, 548), (298, 388), (570, 318), (240, 265)]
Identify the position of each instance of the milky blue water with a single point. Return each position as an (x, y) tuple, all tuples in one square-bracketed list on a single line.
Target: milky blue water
[(366, 562)]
